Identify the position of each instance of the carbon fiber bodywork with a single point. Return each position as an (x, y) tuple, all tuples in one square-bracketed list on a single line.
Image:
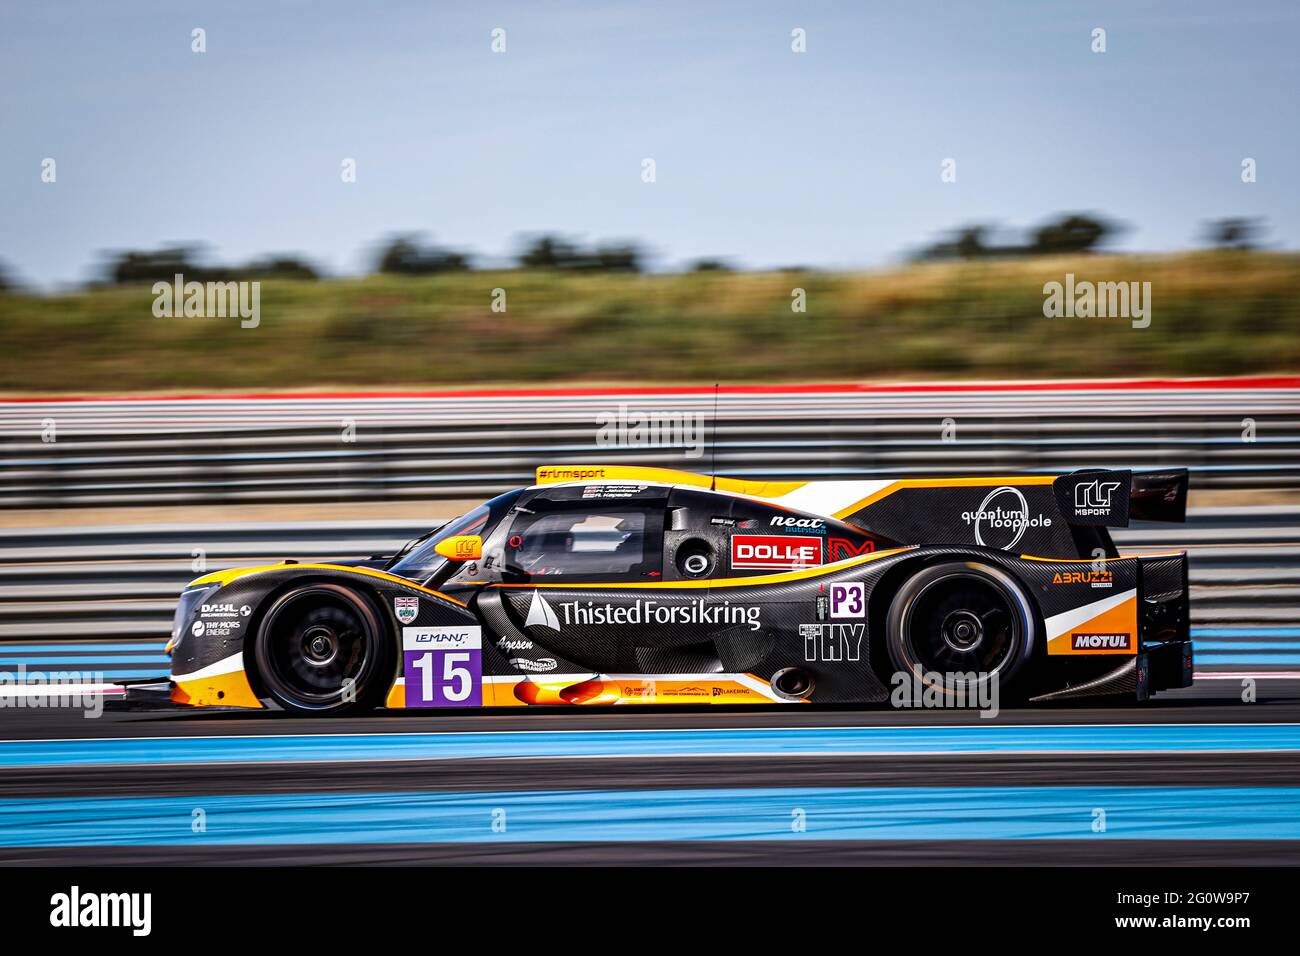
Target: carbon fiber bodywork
[(724, 591), (226, 632)]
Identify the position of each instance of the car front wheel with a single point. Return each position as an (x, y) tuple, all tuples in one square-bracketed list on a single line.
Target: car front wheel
[(321, 649)]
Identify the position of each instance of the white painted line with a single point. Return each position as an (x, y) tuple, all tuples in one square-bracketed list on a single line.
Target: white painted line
[(677, 730), (1254, 675), (61, 690)]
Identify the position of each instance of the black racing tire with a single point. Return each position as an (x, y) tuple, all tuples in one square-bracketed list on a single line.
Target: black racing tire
[(961, 625), (313, 641)]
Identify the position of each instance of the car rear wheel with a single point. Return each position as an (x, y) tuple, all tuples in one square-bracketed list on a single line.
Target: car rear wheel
[(321, 649), (959, 627)]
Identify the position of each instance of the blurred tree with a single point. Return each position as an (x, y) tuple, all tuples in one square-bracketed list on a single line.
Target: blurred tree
[(550, 252), (617, 258), (964, 242), (279, 267), (405, 255), (1072, 233), (161, 265), (710, 265), (1235, 233), (6, 284), (970, 242), (556, 252)]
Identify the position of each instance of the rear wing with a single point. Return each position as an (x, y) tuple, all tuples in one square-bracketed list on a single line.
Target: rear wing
[(1110, 499)]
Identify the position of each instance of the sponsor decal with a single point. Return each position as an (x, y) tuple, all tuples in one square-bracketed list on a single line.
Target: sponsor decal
[(539, 665), (644, 689), (505, 644), (1095, 498), (1095, 579), (221, 610), (221, 627), (799, 524), (541, 614), (444, 638), (443, 666), (649, 611), (1098, 642), (849, 599), (839, 549), (1115, 614), (245, 611), (407, 608), (688, 691), (832, 642), (731, 691), (823, 607), (775, 552), (1092, 498), (723, 522), (463, 546), (570, 474), (1003, 518)]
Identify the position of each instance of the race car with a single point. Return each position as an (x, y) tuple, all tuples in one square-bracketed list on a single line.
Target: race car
[(634, 585)]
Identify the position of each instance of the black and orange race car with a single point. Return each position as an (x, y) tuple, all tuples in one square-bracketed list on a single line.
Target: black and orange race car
[(631, 585)]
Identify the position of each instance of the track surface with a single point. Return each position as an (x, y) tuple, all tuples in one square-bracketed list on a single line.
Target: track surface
[(981, 796)]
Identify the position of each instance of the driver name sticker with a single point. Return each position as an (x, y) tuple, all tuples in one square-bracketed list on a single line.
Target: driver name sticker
[(443, 666)]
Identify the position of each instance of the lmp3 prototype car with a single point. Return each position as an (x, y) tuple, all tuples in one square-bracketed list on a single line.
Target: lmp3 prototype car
[(631, 585)]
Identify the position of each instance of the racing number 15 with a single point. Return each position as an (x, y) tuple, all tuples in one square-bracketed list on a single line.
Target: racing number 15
[(443, 666), (453, 673)]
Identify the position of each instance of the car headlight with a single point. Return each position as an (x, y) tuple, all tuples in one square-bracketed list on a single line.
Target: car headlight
[(190, 599)]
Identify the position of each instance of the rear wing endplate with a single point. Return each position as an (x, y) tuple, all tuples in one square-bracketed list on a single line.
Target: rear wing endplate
[(1111, 498)]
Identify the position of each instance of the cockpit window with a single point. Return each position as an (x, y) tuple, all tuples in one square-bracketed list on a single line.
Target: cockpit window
[(423, 560), (594, 545)]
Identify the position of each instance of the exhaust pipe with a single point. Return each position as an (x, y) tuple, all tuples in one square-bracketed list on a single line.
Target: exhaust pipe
[(792, 683)]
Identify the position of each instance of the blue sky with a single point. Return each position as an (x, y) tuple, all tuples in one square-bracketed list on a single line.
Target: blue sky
[(829, 158)]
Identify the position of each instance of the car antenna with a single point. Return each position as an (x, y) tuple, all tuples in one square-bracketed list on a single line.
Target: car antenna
[(713, 466)]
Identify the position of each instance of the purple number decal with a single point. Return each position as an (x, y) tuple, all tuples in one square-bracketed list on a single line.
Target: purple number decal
[(849, 600), (443, 666)]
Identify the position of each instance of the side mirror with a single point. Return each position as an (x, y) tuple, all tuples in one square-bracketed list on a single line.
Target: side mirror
[(461, 547)]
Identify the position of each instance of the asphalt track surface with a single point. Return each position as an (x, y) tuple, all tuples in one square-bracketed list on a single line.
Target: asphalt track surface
[(1220, 774)]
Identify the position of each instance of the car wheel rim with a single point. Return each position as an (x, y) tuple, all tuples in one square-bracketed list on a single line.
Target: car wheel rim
[(962, 623), (318, 648)]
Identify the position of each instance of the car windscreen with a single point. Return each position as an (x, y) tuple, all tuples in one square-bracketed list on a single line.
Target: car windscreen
[(424, 559)]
